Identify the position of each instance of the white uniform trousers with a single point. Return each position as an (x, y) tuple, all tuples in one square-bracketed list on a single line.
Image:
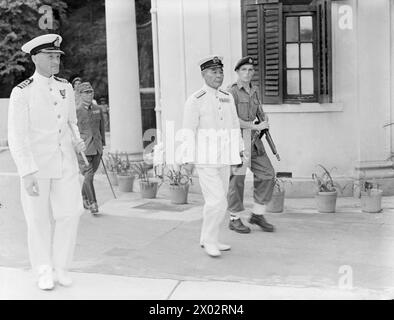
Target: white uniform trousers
[(214, 183), (62, 198)]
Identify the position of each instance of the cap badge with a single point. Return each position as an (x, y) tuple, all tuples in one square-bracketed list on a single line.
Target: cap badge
[(215, 60), (250, 60)]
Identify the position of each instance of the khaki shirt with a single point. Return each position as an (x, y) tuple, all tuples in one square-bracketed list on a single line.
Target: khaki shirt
[(247, 109), (212, 112), (91, 128)]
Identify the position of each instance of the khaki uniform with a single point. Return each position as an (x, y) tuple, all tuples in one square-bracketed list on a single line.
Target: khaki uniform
[(41, 112), (92, 130), (263, 172)]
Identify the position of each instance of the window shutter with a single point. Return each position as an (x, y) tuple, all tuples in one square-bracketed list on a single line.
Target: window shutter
[(262, 39), (324, 50), (251, 38), (271, 53)]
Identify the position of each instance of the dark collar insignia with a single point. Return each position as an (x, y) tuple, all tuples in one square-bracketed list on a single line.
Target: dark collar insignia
[(224, 92), (60, 79), (200, 94), (25, 83)]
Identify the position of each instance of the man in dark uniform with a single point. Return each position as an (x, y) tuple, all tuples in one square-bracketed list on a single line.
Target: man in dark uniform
[(91, 126), (248, 105)]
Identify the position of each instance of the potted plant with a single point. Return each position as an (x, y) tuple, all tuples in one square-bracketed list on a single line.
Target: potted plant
[(277, 202), (179, 180), (371, 197), (148, 186), (326, 196), (125, 175), (112, 164)]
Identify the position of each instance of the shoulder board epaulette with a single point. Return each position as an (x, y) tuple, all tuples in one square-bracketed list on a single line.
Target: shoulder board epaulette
[(226, 93), (200, 94), (61, 80), (25, 83)]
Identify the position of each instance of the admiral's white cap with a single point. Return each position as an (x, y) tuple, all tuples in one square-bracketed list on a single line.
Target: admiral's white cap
[(49, 43), (211, 61)]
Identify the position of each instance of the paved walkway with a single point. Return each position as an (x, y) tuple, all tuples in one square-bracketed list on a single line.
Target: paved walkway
[(148, 249)]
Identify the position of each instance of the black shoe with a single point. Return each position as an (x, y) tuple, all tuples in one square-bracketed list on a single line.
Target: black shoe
[(238, 226), (86, 204), (94, 208), (261, 222)]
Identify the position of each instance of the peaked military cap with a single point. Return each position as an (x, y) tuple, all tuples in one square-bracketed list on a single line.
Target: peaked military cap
[(242, 61), (211, 61), (47, 43)]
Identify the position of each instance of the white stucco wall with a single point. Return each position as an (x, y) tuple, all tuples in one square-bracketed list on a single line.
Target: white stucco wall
[(337, 135)]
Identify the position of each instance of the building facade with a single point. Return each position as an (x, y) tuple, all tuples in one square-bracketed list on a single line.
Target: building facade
[(325, 68)]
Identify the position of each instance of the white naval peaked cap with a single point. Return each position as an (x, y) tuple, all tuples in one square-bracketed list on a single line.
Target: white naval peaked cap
[(211, 61), (49, 43)]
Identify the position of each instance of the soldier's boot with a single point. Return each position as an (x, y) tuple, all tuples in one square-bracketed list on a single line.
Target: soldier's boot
[(261, 222), (238, 226), (94, 208), (86, 204)]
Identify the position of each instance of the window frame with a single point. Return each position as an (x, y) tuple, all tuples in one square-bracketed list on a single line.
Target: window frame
[(291, 11), (323, 47)]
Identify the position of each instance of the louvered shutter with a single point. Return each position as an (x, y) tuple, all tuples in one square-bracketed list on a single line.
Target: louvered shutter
[(251, 38), (324, 50), (262, 39)]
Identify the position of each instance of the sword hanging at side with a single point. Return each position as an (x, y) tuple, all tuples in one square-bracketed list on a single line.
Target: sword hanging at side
[(75, 138)]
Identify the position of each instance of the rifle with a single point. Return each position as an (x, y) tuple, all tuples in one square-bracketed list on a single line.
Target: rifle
[(259, 134)]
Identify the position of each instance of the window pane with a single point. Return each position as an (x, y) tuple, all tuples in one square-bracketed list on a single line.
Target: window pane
[(293, 84), (306, 28), (292, 29), (306, 55), (292, 55), (307, 81)]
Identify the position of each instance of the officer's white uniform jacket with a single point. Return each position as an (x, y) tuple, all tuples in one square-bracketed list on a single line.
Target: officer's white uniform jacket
[(210, 110), (39, 136)]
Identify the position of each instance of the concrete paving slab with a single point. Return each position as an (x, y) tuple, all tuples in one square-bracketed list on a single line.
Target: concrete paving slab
[(18, 284), (216, 290)]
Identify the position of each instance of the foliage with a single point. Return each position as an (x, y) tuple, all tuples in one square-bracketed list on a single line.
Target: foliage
[(83, 28), (368, 186), (113, 162), (18, 24), (141, 169), (280, 184), (176, 176), (324, 182)]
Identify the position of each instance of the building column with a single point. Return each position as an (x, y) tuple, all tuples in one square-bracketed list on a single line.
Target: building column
[(123, 78)]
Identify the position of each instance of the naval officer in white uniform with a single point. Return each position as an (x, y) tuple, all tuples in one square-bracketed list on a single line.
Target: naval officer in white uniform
[(43, 139), (211, 112)]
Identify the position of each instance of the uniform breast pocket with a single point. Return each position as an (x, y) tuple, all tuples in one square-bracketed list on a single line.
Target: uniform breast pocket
[(243, 110), (96, 118)]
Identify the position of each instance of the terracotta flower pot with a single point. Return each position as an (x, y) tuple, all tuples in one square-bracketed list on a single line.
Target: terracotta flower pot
[(178, 194), (371, 202), (326, 201), (125, 183), (148, 189), (113, 177), (277, 202)]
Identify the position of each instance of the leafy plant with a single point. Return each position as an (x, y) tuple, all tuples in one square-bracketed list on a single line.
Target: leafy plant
[(280, 184), (141, 169), (177, 176), (367, 187), (324, 182)]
